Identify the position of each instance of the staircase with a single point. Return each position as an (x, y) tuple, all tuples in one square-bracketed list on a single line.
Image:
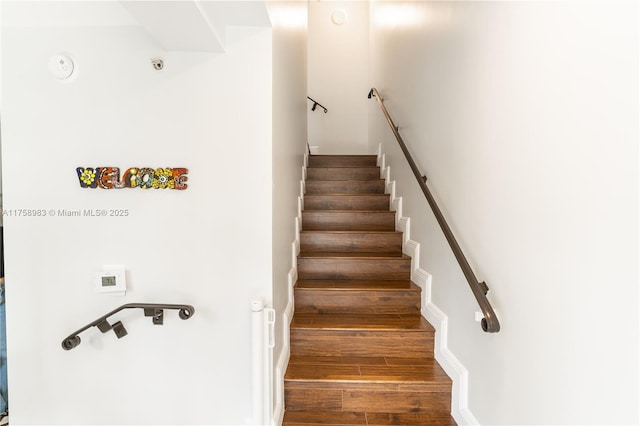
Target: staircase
[(361, 353)]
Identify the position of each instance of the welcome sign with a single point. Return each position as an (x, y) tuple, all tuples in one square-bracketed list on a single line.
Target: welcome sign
[(133, 177)]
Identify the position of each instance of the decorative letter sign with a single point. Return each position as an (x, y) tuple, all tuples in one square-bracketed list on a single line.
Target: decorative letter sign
[(133, 177)]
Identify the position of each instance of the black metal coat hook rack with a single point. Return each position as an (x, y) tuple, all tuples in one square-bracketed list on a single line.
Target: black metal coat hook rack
[(154, 310)]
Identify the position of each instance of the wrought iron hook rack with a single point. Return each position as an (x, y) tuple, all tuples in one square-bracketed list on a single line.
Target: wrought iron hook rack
[(154, 310)]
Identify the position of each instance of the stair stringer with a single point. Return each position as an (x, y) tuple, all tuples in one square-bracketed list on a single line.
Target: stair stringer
[(436, 317), (287, 315)]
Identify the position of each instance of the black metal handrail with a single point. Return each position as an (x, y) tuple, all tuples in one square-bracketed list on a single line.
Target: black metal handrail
[(490, 322), (316, 104), (154, 310)]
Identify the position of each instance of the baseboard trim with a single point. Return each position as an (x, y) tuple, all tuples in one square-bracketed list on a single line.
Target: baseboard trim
[(287, 315), (283, 359), (452, 365), (449, 362)]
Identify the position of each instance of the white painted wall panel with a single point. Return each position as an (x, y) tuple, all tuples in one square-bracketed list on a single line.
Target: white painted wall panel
[(338, 69), (524, 117), (289, 145), (209, 245)]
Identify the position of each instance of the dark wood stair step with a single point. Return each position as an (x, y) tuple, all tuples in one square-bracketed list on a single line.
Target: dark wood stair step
[(381, 266), (409, 419), (378, 202), (357, 296), (382, 335), (326, 418), (355, 220), (359, 322), (346, 418), (345, 186), (423, 373), (363, 361), (374, 285), (342, 160), (367, 398), (343, 173), (345, 241)]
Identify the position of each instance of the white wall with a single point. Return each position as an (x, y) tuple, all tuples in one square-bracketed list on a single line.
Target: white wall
[(524, 116), (289, 145), (338, 64), (209, 245)]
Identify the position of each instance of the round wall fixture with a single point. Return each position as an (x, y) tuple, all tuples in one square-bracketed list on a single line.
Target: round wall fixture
[(157, 63), (61, 66), (339, 17)]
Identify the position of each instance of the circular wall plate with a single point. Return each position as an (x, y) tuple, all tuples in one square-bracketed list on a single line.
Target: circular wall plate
[(61, 66), (339, 17)]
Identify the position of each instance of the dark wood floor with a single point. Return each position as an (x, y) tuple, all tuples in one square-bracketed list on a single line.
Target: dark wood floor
[(361, 353)]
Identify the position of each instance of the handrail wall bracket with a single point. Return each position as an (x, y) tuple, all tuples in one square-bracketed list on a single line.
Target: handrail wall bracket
[(489, 323), (317, 104), (154, 310)]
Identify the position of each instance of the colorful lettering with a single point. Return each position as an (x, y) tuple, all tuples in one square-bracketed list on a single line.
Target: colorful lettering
[(88, 176), (179, 178), (133, 177)]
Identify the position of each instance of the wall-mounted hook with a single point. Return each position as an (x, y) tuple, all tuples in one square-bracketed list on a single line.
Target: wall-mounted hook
[(117, 327), (154, 310), (156, 313)]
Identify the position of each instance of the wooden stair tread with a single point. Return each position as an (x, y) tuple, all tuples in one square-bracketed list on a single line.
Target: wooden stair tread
[(341, 156), (345, 187), (346, 418), (335, 418), (371, 375), (362, 360), (344, 160), (346, 195), (360, 220), (377, 202), (348, 255), (355, 166), (344, 181), (378, 285), (409, 419), (353, 322), (356, 172), (346, 231), (347, 211), (333, 181), (357, 296), (346, 241), (361, 369)]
